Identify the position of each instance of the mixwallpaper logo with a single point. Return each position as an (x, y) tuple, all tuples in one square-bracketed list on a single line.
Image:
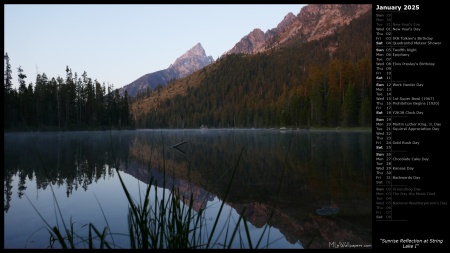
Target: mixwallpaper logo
[(344, 245)]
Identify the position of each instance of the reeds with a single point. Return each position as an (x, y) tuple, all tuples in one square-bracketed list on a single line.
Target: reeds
[(156, 223)]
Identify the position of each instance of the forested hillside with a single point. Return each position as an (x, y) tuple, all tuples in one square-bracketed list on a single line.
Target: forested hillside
[(323, 83)]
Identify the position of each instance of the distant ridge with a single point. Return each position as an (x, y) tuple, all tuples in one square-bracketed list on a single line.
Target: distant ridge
[(194, 59), (313, 22)]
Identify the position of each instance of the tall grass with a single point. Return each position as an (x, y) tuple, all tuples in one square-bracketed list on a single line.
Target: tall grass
[(157, 223)]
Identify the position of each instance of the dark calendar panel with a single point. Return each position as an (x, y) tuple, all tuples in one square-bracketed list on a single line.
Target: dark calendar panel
[(410, 124)]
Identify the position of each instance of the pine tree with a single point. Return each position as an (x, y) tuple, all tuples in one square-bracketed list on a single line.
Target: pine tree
[(7, 96), (7, 75), (24, 98)]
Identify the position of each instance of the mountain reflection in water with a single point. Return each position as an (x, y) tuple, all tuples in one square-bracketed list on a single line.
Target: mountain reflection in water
[(282, 179)]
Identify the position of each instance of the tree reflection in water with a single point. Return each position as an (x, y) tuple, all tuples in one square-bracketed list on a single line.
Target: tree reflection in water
[(317, 170)]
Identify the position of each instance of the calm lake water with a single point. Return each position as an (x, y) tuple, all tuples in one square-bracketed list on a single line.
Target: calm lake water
[(307, 188)]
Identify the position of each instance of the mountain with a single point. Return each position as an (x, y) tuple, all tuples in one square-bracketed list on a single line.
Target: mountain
[(317, 73), (313, 22), (194, 59)]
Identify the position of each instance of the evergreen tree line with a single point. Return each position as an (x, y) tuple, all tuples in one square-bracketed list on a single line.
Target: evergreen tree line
[(73, 103), (324, 83)]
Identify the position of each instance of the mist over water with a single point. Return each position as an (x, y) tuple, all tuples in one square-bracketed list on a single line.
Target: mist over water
[(317, 184)]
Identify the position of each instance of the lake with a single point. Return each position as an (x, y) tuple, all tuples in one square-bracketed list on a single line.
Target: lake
[(295, 188)]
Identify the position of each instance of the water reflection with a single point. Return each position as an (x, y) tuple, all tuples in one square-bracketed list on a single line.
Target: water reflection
[(282, 179)]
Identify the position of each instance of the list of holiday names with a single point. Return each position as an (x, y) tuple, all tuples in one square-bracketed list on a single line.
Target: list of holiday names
[(407, 109)]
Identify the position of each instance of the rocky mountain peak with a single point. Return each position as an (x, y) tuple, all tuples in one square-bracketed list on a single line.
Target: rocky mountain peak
[(193, 60), (286, 21), (249, 43), (316, 21), (195, 52), (313, 22)]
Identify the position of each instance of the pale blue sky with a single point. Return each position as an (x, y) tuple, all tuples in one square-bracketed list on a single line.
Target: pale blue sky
[(117, 44)]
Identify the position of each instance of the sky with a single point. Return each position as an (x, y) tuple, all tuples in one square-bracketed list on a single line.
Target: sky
[(117, 44)]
